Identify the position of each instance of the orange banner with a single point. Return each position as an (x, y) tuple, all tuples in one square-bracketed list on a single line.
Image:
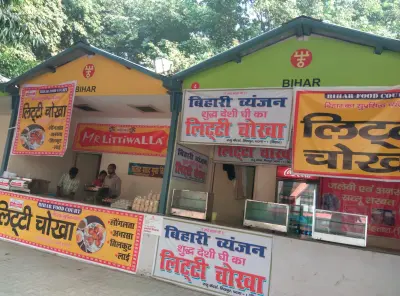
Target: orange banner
[(102, 236), (44, 119), (122, 139)]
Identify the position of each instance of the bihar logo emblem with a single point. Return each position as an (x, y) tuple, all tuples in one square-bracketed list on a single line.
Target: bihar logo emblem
[(88, 71), (301, 58)]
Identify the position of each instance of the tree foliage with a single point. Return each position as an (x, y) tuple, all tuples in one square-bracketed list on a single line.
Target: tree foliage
[(184, 31)]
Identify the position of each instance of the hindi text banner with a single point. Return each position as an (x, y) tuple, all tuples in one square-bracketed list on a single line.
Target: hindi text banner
[(380, 201), (190, 165), (219, 260), (352, 133), (99, 235), (44, 119), (241, 117)]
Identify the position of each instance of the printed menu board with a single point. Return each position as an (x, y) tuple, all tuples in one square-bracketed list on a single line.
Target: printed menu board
[(44, 119)]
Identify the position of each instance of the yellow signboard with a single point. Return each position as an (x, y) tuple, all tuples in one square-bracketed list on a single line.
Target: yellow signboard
[(44, 119), (351, 133), (103, 236), (100, 76)]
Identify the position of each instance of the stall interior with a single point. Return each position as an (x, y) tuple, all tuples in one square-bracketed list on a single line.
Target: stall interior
[(265, 197), (124, 110)]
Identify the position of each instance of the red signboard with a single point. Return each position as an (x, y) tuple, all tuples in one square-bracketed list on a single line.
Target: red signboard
[(286, 173), (122, 139), (380, 201)]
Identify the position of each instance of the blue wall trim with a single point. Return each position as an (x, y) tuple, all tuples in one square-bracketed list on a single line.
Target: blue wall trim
[(176, 103)]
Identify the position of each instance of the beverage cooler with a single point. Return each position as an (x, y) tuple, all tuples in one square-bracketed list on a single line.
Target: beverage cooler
[(298, 192)]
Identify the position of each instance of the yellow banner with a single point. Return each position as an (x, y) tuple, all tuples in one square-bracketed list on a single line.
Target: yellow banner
[(103, 236), (44, 119), (351, 133), (151, 140)]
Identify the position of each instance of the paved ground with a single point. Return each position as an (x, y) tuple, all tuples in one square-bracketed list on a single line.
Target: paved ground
[(25, 271)]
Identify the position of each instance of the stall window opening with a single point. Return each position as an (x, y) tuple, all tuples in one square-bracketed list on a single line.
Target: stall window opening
[(299, 195)]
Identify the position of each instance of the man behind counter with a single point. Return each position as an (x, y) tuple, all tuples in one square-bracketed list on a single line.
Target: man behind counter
[(113, 182), (68, 184)]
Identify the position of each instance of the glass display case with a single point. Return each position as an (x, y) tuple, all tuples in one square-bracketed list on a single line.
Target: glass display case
[(343, 228), (266, 215), (299, 195), (192, 204)]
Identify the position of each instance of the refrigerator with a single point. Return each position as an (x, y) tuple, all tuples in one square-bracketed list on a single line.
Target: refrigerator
[(298, 192)]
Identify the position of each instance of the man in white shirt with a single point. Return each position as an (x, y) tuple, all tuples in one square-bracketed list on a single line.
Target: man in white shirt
[(68, 184), (113, 182)]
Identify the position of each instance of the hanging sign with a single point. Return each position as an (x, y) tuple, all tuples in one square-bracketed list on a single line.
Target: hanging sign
[(103, 236), (146, 170), (380, 201), (252, 155), (190, 165), (352, 133), (246, 117), (122, 139), (218, 260), (44, 119)]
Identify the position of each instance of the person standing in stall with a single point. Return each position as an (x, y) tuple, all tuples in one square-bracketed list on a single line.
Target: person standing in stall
[(112, 182), (68, 184)]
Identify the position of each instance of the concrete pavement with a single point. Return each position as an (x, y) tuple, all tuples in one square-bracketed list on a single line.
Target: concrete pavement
[(25, 271)]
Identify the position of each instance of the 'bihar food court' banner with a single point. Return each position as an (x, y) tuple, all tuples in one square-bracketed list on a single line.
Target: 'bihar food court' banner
[(44, 119), (150, 140), (245, 117), (252, 155), (352, 133), (102, 236), (380, 201), (219, 260), (190, 165)]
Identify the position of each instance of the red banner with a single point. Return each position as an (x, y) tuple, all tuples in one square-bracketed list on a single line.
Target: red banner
[(122, 139), (380, 201)]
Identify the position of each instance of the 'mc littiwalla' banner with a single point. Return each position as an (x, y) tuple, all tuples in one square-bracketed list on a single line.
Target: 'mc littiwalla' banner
[(44, 119), (150, 140), (217, 259), (352, 133), (240, 117)]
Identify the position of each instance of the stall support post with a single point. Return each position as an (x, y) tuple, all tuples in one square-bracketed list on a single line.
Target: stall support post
[(10, 134), (175, 103)]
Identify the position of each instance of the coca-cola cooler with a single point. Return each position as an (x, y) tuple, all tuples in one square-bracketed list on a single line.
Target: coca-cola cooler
[(298, 192)]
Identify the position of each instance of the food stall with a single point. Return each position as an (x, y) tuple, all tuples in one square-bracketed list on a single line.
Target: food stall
[(235, 111), (80, 109)]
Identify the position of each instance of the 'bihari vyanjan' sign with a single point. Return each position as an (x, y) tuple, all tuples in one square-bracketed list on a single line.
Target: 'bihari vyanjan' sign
[(103, 236), (190, 165), (246, 117), (378, 200), (151, 140), (44, 119), (214, 258), (252, 155), (352, 133)]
